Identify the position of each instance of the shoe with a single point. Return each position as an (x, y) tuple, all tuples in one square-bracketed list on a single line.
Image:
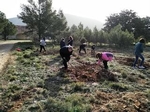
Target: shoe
[(141, 67), (134, 67)]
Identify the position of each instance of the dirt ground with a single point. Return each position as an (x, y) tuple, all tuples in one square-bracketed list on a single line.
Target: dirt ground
[(5, 48)]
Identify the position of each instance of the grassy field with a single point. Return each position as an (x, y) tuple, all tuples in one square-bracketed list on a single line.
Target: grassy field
[(36, 82)]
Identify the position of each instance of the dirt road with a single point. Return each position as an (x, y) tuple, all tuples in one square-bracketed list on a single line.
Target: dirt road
[(5, 48)]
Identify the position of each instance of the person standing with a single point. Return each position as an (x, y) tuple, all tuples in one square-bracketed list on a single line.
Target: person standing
[(70, 41), (138, 53), (104, 57), (65, 53), (62, 43), (42, 44)]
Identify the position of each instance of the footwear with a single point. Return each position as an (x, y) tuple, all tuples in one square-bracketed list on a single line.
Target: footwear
[(141, 67), (134, 67)]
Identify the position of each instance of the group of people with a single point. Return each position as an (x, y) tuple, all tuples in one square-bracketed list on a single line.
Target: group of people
[(67, 49)]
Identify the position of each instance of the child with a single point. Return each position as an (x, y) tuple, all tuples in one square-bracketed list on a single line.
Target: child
[(65, 53), (138, 53), (105, 57), (42, 44)]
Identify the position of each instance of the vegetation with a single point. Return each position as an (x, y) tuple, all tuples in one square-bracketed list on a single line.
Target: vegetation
[(6, 27), (42, 20), (35, 81)]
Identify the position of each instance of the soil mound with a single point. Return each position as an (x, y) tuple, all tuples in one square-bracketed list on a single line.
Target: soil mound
[(91, 73)]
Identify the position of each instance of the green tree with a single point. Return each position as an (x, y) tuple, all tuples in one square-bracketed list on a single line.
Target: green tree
[(40, 18), (95, 35), (120, 38), (125, 18), (88, 34), (9, 29), (3, 21)]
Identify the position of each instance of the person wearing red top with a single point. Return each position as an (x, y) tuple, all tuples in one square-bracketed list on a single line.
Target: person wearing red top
[(104, 57)]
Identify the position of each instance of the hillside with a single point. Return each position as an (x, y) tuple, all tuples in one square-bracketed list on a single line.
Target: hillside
[(72, 19)]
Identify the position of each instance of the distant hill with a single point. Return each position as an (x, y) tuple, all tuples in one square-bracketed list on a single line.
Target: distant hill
[(71, 19), (17, 21)]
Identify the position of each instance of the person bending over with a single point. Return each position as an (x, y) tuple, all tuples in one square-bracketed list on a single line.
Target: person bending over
[(65, 53), (104, 57)]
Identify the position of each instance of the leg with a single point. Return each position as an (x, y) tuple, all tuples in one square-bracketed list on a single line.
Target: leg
[(141, 56), (40, 48), (136, 59), (105, 64), (80, 49), (65, 63), (65, 60), (84, 50), (44, 48)]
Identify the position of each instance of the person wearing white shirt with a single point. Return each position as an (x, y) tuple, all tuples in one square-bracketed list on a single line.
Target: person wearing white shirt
[(42, 44)]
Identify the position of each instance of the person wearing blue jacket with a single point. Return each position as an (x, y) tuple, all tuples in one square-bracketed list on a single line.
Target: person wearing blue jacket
[(138, 53)]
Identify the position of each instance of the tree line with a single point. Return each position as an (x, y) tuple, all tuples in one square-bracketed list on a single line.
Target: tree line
[(119, 29)]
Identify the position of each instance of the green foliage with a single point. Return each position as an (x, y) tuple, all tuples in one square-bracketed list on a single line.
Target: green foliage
[(6, 27), (72, 103), (129, 21), (120, 38), (41, 19), (9, 29), (119, 86)]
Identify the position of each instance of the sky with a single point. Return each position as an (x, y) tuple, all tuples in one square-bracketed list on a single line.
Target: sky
[(94, 9)]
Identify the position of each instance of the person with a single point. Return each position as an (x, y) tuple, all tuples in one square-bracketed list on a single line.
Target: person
[(62, 43), (42, 44), (82, 47), (93, 50), (70, 41), (65, 53), (138, 53), (105, 57)]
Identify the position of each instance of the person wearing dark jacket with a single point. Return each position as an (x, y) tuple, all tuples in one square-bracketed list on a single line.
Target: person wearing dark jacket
[(82, 47), (65, 53), (62, 43), (70, 41), (138, 53)]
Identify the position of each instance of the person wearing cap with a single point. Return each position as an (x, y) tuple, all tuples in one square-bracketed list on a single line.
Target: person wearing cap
[(138, 53), (65, 53)]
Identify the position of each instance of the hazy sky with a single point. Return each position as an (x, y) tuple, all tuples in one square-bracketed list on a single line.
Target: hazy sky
[(95, 9)]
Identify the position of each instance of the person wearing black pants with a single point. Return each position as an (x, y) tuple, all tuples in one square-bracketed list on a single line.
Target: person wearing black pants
[(42, 44), (105, 64), (82, 47), (65, 53)]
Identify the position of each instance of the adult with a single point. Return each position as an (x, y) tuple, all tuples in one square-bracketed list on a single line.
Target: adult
[(138, 53), (62, 43), (70, 41), (82, 47), (65, 53), (42, 44)]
